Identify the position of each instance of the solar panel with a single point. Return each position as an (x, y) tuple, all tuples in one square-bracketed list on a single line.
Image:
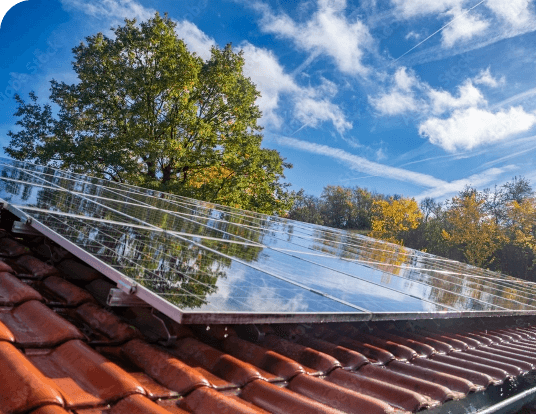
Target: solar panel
[(199, 262)]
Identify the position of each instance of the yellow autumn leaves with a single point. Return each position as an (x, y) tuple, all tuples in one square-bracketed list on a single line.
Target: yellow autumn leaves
[(393, 216)]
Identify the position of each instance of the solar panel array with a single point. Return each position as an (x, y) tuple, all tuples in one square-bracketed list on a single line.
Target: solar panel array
[(201, 262)]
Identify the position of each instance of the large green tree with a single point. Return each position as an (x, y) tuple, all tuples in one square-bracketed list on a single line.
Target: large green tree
[(146, 111)]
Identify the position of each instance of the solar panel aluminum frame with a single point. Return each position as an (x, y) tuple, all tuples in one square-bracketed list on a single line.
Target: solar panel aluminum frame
[(130, 287)]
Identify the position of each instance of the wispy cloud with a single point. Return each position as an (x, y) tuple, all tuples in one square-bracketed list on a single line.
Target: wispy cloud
[(407, 9), (328, 32), (479, 180), (361, 164), (464, 27), (437, 188), (310, 105), (114, 12)]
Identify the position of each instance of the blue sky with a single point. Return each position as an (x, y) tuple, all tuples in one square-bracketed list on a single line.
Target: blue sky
[(413, 97)]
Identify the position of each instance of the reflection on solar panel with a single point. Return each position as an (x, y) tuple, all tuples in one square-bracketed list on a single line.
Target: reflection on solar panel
[(199, 262)]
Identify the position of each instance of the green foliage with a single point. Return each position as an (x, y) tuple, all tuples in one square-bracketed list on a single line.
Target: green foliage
[(341, 207), (146, 111)]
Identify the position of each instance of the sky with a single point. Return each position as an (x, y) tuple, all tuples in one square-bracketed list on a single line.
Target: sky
[(411, 97)]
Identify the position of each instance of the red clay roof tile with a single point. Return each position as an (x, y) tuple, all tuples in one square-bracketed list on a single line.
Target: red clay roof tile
[(338, 397), (164, 368), (35, 326), (13, 291), (24, 387), (75, 270), (478, 378), (311, 358), (137, 404), (4, 267), (452, 382), (279, 400), (277, 364), (84, 377), (420, 348), (207, 400), (35, 268), (12, 248), (231, 369), (50, 409), (106, 326), (496, 356), (62, 292), (394, 395), (434, 391)]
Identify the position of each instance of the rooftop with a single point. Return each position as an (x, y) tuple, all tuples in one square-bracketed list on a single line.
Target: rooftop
[(62, 349)]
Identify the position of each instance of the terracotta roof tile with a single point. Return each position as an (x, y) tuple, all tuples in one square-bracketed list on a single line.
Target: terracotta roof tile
[(479, 378), (12, 248), (280, 400), (23, 386), (35, 268), (84, 377), (452, 382), (311, 358), (50, 409), (164, 368), (397, 396), (75, 270), (33, 325), (13, 291), (4, 267), (337, 396), (137, 404), (225, 366), (207, 400), (106, 327), (60, 292), (277, 364)]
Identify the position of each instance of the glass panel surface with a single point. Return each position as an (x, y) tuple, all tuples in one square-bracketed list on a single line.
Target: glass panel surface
[(208, 258)]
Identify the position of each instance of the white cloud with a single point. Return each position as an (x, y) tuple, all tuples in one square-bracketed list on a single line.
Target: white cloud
[(265, 71), (403, 80), (111, 9), (413, 8), (114, 12), (464, 26), (477, 180), (394, 103), (471, 127), (412, 35), (328, 32), (485, 78), (196, 40), (515, 12), (313, 111), (400, 98), (442, 101), (363, 165), (311, 105)]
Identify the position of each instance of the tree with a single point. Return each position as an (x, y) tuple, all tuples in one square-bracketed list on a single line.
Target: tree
[(472, 231), (390, 218), (146, 111)]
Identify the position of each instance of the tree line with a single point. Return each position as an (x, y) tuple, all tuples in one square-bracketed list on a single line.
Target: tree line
[(493, 228)]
